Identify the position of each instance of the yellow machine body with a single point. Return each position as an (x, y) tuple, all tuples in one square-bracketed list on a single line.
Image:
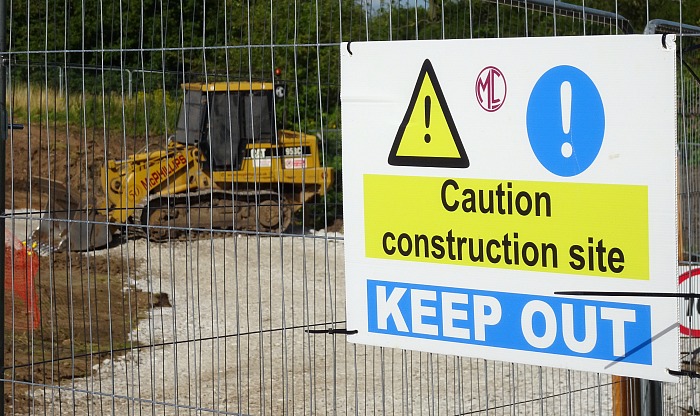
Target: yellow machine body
[(227, 167)]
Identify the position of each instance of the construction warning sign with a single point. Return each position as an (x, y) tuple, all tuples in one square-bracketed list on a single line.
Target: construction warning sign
[(427, 135), (487, 183), (516, 225)]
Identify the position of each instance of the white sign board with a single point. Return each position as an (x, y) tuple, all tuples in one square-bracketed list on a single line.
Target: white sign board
[(483, 177)]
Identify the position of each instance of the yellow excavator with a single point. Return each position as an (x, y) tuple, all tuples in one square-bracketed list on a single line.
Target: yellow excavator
[(225, 168)]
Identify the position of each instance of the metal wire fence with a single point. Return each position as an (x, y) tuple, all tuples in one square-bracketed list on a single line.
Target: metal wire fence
[(184, 267)]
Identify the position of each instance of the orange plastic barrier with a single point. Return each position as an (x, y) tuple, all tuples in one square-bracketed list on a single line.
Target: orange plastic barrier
[(21, 267)]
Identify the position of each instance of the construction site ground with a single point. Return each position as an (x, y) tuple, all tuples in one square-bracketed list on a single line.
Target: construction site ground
[(122, 322), (87, 304)]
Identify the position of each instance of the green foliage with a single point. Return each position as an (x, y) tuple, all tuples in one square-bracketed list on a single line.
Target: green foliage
[(113, 46), (143, 114), (120, 63), (130, 46), (324, 211), (155, 112)]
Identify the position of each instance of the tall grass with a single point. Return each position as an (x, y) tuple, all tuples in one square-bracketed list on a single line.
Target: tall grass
[(150, 112)]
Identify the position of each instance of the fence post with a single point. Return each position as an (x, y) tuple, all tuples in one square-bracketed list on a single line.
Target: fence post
[(625, 396), (3, 138), (650, 392)]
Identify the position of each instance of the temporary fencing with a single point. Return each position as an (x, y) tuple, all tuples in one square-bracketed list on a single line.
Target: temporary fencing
[(203, 299)]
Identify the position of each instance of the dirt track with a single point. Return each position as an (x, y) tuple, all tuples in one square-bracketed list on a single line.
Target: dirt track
[(90, 304)]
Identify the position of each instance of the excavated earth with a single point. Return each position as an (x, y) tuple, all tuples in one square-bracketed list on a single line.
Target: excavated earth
[(87, 303)]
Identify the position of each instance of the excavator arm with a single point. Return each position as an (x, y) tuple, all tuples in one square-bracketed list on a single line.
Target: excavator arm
[(66, 224), (131, 181)]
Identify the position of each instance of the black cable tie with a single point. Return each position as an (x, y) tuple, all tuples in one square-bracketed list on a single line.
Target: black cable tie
[(686, 373), (688, 67), (333, 331), (348, 47), (692, 353), (691, 48), (630, 294)]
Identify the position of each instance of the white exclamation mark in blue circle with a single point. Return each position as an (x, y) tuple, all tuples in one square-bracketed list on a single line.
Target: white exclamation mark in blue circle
[(566, 147), (565, 121)]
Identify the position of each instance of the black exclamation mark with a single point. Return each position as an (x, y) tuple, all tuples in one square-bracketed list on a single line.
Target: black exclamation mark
[(427, 117)]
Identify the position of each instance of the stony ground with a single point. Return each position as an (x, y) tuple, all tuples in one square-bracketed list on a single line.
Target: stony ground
[(88, 307), (228, 331)]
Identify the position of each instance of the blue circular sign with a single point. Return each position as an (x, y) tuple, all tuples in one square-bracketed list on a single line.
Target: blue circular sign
[(565, 121)]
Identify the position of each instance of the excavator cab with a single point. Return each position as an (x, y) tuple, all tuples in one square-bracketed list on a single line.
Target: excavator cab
[(222, 118)]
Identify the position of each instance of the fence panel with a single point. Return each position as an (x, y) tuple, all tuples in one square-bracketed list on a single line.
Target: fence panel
[(182, 163)]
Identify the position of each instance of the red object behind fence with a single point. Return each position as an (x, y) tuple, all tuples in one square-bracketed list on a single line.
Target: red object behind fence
[(21, 266)]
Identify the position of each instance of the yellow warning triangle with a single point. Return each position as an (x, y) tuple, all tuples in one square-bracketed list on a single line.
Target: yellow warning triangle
[(427, 135)]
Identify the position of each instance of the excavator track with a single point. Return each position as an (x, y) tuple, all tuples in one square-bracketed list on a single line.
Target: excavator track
[(187, 216)]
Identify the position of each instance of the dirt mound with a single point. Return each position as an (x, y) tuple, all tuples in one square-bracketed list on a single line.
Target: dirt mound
[(46, 150), (85, 314), (86, 302)]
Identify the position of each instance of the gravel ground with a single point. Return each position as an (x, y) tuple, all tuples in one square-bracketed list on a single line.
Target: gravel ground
[(268, 291)]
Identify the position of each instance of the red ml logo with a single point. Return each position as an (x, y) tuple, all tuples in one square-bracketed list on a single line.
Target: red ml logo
[(491, 88)]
